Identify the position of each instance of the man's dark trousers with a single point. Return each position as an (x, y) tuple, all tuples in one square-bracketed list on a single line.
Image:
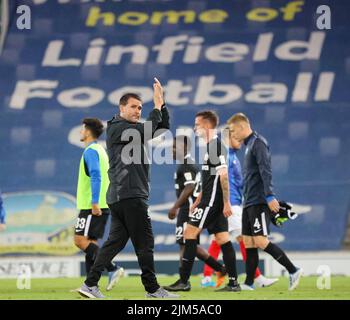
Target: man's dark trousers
[(130, 219)]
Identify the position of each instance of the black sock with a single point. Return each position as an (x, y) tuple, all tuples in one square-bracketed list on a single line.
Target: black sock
[(214, 264), (181, 252), (91, 253), (188, 259), (88, 263), (229, 257), (278, 254), (251, 264)]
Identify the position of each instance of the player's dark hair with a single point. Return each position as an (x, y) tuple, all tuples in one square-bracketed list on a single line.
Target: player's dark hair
[(210, 116), (94, 125), (124, 99)]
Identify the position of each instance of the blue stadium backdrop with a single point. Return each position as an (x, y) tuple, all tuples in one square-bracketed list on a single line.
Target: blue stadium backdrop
[(268, 59)]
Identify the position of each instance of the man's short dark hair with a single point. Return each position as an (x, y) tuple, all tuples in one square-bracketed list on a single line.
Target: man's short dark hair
[(210, 116), (94, 125), (124, 99)]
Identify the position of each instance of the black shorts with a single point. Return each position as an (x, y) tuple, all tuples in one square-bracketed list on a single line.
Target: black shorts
[(256, 220), (91, 226), (182, 220), (210, 218)]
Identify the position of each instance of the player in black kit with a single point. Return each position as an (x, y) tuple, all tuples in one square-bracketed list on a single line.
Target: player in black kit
[(187, 186), (212, 207)]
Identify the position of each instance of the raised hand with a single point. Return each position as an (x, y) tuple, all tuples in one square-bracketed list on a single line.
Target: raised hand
[(158, 93)]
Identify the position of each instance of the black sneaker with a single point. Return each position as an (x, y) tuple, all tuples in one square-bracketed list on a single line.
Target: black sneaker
[(235, 288), (179, 286)]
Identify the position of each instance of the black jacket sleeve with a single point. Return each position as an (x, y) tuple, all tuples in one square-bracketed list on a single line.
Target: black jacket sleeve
[(165, 124), (156, 118), (263, 159)]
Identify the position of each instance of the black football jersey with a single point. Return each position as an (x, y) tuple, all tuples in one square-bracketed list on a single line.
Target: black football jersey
[(187, 173), (214, 159)]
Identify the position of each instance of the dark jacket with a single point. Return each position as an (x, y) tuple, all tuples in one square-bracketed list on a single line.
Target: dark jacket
[(257, 174), (128, 162)]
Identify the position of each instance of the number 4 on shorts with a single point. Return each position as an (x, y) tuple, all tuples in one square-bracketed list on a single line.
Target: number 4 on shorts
[(257, 224)]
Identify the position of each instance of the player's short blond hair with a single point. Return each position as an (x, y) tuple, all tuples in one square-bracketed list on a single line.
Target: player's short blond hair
[(238, 117)]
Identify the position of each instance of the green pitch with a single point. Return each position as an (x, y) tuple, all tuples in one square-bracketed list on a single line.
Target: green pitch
[(131, 288)]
